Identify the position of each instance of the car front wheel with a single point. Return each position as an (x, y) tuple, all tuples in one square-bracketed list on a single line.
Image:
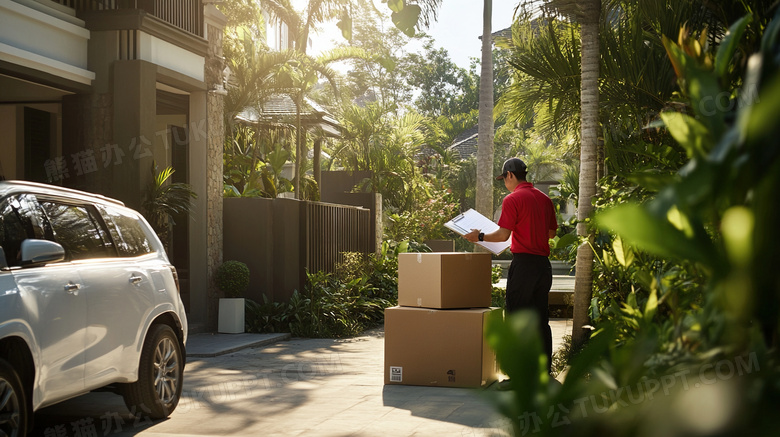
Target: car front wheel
[(13, 407), (160, 376)]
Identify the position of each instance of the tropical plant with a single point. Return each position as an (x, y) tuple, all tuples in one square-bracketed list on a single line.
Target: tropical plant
[(716, 219), (301, 75), (253, 166), (341, 304), (164, 200), (388, 147), (633, 81), (425, 220)]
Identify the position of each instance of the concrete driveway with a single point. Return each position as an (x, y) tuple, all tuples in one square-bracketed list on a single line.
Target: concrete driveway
[(311, 387)]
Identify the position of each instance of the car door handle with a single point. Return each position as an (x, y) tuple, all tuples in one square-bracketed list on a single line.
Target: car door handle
[(72, 288), (135, 279)]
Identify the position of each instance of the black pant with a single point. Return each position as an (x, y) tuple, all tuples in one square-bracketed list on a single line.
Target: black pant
[(527, 286)]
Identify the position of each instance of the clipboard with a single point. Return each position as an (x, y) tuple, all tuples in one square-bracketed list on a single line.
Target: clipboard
[(462, 224)]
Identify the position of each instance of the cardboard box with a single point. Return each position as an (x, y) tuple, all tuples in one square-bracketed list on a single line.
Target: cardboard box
[(444, 280), (444, 348)]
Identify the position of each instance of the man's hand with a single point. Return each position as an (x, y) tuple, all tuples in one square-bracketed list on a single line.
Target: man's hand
[(472, 236)]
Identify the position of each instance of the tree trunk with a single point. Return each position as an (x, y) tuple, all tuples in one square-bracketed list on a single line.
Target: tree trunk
[(484, 195), (298, 146), (588, 161), (317, 164)]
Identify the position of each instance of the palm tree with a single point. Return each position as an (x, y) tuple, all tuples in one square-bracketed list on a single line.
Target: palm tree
[(386, 145), (635, 82), (589, 13), (484, 198), (559, 95), (303, 75)]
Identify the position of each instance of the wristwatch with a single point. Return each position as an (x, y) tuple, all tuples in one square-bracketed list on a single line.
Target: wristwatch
[(481, 236)]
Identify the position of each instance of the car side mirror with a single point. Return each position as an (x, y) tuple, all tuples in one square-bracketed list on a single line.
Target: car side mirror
[(39, 252)]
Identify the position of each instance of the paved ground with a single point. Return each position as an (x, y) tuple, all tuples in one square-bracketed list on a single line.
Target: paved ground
[(298, 387)]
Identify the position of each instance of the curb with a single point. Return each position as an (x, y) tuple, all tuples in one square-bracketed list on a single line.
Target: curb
[(214, 345)]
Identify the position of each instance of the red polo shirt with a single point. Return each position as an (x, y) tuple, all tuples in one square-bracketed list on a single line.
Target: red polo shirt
[(530, 215)]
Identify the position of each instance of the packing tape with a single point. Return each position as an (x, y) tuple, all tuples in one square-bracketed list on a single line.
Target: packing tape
[(419, 258), (419, 301)]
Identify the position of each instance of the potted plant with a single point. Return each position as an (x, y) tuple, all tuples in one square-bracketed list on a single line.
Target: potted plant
[(232, 279)]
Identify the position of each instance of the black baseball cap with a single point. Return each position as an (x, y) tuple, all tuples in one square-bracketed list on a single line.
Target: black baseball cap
[(515, 165)]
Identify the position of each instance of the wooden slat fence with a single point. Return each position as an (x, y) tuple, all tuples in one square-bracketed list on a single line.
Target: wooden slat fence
[(328, 230)]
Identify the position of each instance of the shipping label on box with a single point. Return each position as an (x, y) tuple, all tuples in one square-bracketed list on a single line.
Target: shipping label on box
[(444, 280), (396, 374), (439, 347)]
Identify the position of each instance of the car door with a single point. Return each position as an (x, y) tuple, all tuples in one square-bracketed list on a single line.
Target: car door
[(126, 299), (54, 302), (118, 292)]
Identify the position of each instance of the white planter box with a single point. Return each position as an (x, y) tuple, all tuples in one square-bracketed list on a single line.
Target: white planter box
[(231, 315)]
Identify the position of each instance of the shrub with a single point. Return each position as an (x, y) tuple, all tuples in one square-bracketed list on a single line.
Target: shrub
[(232, 278), (498, 294), (425, 221), (340, 304)]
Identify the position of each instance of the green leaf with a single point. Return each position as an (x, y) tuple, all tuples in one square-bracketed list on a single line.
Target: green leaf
[(729, 45), (566, 240), (231, 191), (387, 63), (680, 60), (519, 332), (395, 5), (702, 87), (651, 179), (631, 300), (655, 235), (345, 25), (689, 132), (761, 117), (586, 360), (406, 19), (737, 230), (705, 93), (595, 314), (624, 255), (680, 220), (651, 306)]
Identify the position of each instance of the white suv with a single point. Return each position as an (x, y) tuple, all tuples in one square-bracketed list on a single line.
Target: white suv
[(88, 299)]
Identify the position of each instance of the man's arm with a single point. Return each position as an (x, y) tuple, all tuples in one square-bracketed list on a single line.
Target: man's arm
[(497, 236)]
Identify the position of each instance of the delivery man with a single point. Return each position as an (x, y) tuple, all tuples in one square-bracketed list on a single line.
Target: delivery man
[(528, 215)]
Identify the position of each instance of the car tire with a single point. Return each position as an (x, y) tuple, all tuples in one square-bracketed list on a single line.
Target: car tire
[(13, 405), (160, 376)]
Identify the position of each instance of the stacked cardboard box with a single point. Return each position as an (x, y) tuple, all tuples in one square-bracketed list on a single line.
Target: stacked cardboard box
[(435, 337)]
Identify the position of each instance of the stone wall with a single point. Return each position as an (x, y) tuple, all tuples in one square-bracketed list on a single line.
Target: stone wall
[(214, 185), (87, 121)]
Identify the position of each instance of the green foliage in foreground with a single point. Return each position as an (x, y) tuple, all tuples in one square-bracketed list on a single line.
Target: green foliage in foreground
[(334, 305), (653, 367)]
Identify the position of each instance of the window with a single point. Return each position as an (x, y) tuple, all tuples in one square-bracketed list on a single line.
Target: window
[(78, 230), (127, 232), (20, 219)]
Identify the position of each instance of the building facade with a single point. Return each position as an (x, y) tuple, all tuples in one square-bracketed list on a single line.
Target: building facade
[(95, 93)]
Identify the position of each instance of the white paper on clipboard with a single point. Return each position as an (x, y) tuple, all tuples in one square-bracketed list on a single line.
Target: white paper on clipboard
[(471, 219)]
